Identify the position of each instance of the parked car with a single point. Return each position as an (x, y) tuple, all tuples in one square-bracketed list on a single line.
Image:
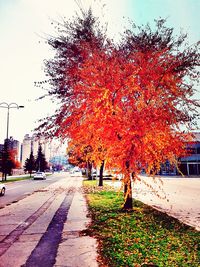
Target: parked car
[(2, 189), (39, 175), (75, 172)]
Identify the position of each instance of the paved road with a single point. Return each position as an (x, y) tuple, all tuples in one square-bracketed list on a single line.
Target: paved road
[(179, 197), (18, 190), (43, 229)]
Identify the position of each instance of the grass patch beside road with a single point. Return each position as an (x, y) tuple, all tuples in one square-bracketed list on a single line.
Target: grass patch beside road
[(142, 236), (15, 179), (20, 178)]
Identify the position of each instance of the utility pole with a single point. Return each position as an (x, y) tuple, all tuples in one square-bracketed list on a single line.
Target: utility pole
[(8, 106)]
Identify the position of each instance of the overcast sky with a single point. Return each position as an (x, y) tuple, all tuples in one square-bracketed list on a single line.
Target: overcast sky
[(25, 23)]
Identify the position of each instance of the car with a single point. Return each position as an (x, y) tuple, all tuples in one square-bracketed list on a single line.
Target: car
[(2, 189), (39, 175), (76, 172)]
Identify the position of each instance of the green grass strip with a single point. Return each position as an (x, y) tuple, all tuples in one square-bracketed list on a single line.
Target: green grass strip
[(143, 236), (19, 178), (16, 179)]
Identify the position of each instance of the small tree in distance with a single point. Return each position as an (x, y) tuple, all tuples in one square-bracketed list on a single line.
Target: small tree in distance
[(8, 161), (40, 163), (29, 165)]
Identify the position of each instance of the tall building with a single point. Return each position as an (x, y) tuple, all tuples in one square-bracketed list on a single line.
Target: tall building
[(14, 145), (26, 148), (35, 141), (31, 143)]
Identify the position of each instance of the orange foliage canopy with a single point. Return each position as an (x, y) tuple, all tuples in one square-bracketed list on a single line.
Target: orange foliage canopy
[(126, 102), (127, 111), (13, 158)]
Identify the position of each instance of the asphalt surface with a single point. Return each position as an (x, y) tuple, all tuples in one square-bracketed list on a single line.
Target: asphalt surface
[(48, 244), (20, 189), (179, 197), (44, 228)]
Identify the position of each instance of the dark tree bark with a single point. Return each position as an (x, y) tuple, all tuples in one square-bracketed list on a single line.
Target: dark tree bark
[(128, 204), (101, 173), (89, 170)]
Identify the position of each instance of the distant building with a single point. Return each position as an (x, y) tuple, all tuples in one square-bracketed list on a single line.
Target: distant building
[(31, 143), (26, 148), (191, 165), (34, 145), (14, 145)]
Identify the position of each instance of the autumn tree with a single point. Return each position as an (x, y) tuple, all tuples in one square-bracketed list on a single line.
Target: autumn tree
[(88, 145), (77, 40), (158, 100), (75, 157), (80, 155), (147, 96), (8, 161), (132, 97), (30, 164), (75, 43)]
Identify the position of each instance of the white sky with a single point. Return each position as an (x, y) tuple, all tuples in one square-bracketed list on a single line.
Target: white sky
[(22, 50)]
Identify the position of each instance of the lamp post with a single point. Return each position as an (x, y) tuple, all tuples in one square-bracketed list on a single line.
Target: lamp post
[(8, 106)]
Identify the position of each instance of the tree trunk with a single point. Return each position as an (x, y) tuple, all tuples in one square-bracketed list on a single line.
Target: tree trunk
[(128, 204), (101, 173), (89, 170), (128, 201)]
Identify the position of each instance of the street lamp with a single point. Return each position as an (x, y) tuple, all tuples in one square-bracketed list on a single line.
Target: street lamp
[(8, 106)]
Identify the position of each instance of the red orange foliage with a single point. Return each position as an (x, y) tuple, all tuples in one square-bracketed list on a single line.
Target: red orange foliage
[(126, 102)]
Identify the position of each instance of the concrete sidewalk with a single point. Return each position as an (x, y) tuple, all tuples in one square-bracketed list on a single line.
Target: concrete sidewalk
[(75, 250)]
